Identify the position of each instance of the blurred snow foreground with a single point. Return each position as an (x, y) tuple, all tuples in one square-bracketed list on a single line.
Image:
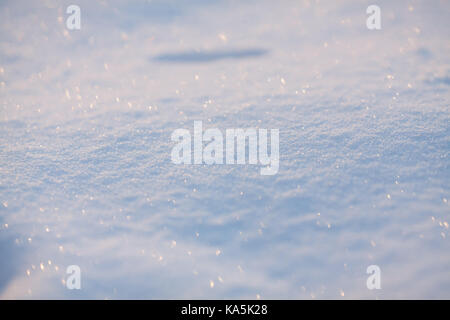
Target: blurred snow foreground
[(86, 177)]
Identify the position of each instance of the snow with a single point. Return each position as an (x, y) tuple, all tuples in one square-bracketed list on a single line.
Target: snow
[(85, 171)]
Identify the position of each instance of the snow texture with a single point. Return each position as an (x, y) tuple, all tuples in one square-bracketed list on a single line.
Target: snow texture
[(86, 176)]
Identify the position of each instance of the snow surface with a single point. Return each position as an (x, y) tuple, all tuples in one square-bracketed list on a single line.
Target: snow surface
[(86, 177)]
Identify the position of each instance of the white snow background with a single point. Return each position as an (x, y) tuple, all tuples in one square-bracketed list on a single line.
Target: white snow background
[(86, 176)]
